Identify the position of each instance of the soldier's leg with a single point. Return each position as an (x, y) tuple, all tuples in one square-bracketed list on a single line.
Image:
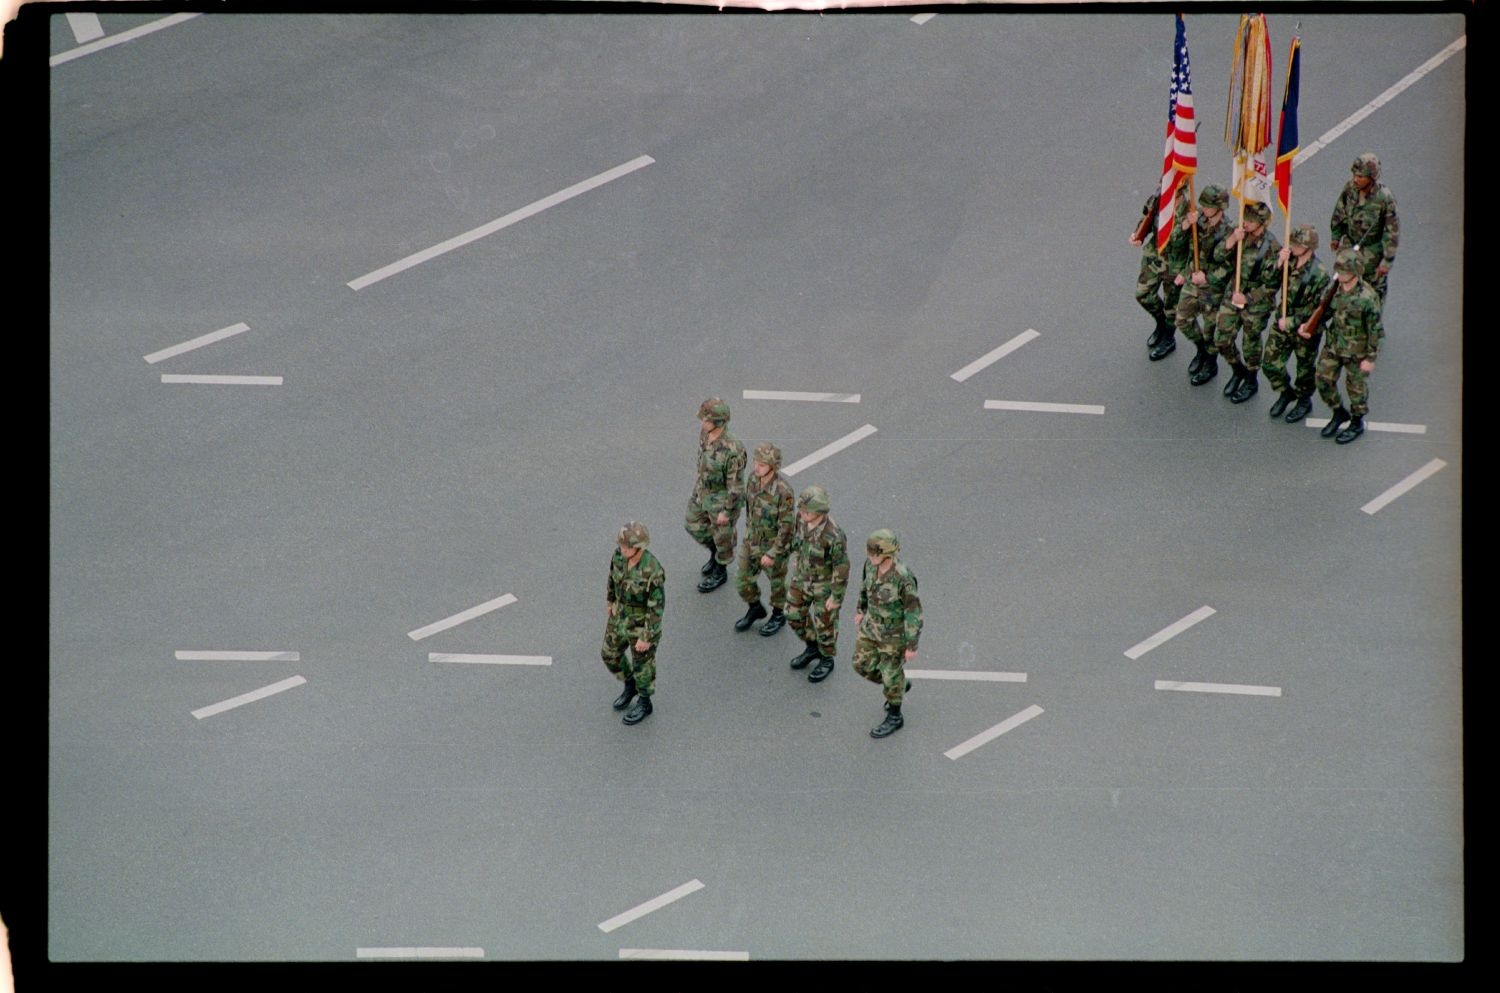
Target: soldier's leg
[(777, 574), (1226, 327), (724, 537), (746, 582), (893, 676), (698, 526), (1252, 327), (613, 651), (1377, 283), (1357, 382), (1307, 362), (1191, 306), (1329, 365), (1148, 295), (1274, 359), (866, 659), (644, 664), (825, 631), (796, 611)]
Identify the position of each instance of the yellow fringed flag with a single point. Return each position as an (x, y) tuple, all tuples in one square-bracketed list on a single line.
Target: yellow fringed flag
[(1247, 123)]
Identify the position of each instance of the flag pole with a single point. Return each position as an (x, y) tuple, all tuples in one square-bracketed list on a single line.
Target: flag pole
[(1192, 201)]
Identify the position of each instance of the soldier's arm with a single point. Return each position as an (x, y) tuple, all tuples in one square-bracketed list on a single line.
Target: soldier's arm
[(864, 592), (1338, 224), (609, 582), (1374, 329), (1392, 233), (786, 523), (913, 608), (838, 558), (656, 605), (734, 480)]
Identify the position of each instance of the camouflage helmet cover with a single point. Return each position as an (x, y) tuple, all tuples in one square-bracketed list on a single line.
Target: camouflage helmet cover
[(1366, 165), (1213, 195), (1258, 212), (882, 542), (769, 454), (1349, 261), (634, 535), (814, 500), (714, 409), (1305, 235)]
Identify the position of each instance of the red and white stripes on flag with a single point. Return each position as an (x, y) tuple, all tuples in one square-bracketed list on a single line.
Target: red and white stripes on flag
[(1181, 155)]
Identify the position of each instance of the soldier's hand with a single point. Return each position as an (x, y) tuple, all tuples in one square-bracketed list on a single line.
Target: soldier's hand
[(1333, 245), (911, 653), (1283, 255), (1199, 279), (1302, 331), (641, 644), (1382, 269), (767, 561), (1281, 324), (1238, 299), (1234, 237), (723, 518), (857, 615), (1365, 365), (831, 606), (1136, 239), (1189, 219), (1178, 281)]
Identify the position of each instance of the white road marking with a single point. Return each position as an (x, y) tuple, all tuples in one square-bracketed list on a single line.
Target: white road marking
[(985, 737), (1318, 422), (922, 18), (458, 618), (1338, 129), (198, 342), (656, 903), (86, 27), (251, 697), (682, 954), (171, 377), (1168, 684), (988, 359), (419, 953), (490, 659), (794, 395), (1401, 487), (503, 222), (118, 39), (977, 677), (238, 656), (1169, 632), (1048, 408), (829, 449)]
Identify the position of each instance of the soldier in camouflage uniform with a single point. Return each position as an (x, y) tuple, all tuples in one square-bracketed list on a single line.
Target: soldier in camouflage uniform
[(1352, 344), (770, 519), (635, 598), (1155, 289), (1246, 310), (1365, 219), (1307, 282), (817, 585), (889, 621), (717, 493), (1202, 288)]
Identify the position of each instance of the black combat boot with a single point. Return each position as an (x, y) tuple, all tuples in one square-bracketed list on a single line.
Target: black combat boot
[(755, 613), (623, 700), (1249, 384), (713, 559), (717, 577), (1163, 329), (808, 654), (1165, 347), (822, 669), (1207, 370), (1340, 415), (1299, 410), (1197, 362), (774, 624), (1235, 380), (1354, 430), (639, 712), (891, 724), (1279, 407)]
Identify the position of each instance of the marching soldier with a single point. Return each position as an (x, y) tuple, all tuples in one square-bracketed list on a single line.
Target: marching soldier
[(1245, 310), (1307, 281), (635, 598), (888, 621), (1365, 219), (816, 591), (770, 520), (1352, 343), (1155, 289), (717, 492), (1202, 288)]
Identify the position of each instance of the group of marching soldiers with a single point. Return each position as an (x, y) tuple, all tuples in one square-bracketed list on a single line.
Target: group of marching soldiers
[(799, 547), (1229, 277)]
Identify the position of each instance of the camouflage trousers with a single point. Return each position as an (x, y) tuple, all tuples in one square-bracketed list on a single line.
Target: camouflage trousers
[(750, 567), (1244, 323), (1155, 290), (1357, 382), (882, 663), (701, 522), (1280, 346), (624, 662), (1377, 283), (808, 614), (1194, 302)]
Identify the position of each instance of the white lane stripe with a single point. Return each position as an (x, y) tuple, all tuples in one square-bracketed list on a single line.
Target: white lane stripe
[(244, 698), (419, 953), (1169, 632), (118, 39), (985, 737), (795, 395), (1406, 484), (1169, 684), (490, 659), (1047, 408), (990, 358), (198, 342), (499, 223), (830, 449), (683, 954), (1392, 426), (976, 677), (86, 27), (656, 903), (238, 656), (173, 377), (1338, 129), (464, 615), (922, 18)]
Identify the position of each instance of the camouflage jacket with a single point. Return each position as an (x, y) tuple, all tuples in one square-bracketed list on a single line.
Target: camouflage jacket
[(1367, 221), (1304, 290), (1179, 243), (822, 557), (770, 516), (640, 593), (1217, 265), (721, 470), (1260, 276), (892, 612), (1353, 323)]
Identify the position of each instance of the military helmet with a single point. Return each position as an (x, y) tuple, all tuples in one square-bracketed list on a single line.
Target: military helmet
[(1366, 165), (714, 409), (882, 542), (634, 535), (769, 454), (1305, 235), (814, 500), (1258, 212), (1213, 195), (1349, 260)]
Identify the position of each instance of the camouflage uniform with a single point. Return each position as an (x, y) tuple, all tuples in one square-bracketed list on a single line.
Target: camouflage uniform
[(637, 598), (890, 627), (1367, 222), (1203, 301), (1156, 289), (1260, 282), (821, 573), (1305, 287), (1354, 333), (770, 520), (720, 487)]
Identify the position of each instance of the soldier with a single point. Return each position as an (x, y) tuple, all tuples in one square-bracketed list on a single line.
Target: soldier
[(1365, 219), (770, 518), (817, 586), (1352, 343), (1155, 289), (1202, 288), (1246, 310), (635, 596), (717, 493), (1307, 281), (889, 621)]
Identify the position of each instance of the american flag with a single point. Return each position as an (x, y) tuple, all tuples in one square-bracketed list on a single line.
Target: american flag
[(1181, 156), (1287, 145)]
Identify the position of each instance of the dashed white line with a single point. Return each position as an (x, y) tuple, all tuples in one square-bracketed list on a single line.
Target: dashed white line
[(683, 954), (795, 395), (967, 676), (251, 697), (198, 342), (536, 207), (1045, 408), (985, 737), (1169, 684), (118, 39), (419, 953), (922, 18), (1406, 484), (990, 358), (86, 27), (1169, 632), (655, 903), (490, 659), (463, 615), (829, 449), (1392, 426), (238, 656), (173, 377)]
